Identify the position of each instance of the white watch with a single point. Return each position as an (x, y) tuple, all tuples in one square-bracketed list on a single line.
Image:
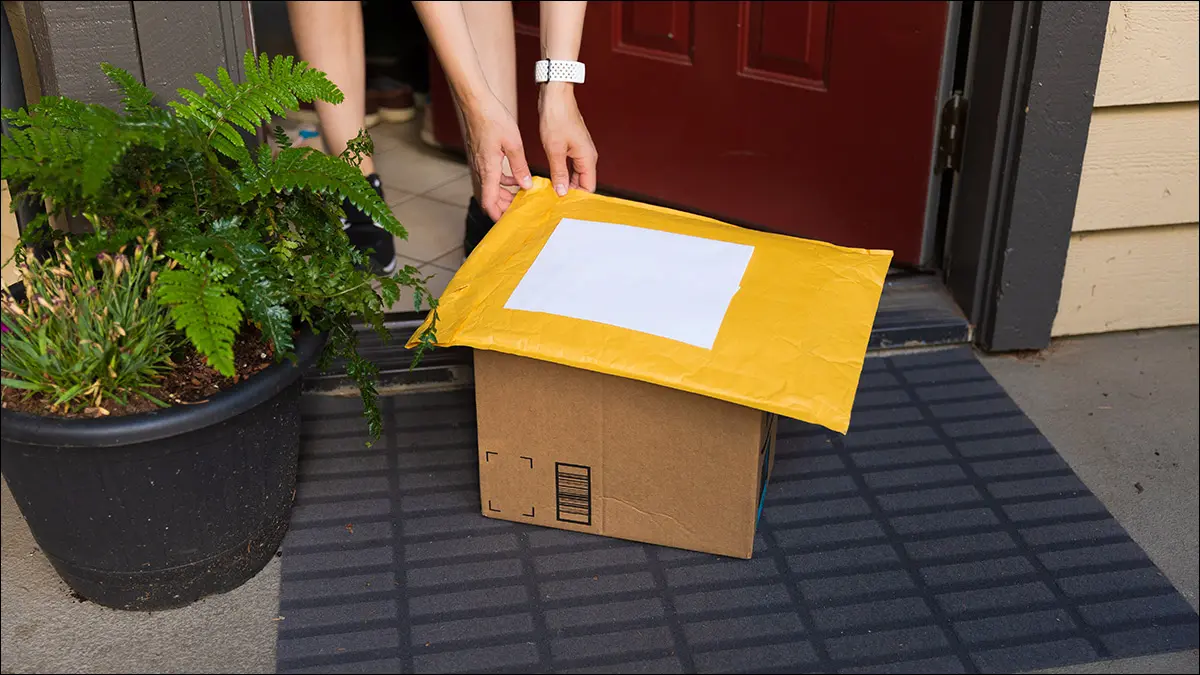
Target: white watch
[(550, 70)]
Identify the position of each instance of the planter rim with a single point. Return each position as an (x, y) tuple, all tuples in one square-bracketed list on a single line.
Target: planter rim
[(107, 432)]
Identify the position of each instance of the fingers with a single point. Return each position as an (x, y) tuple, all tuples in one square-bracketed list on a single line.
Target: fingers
[(516, 162), (560, 176), (584, 162), (489, 186), (506, 200)]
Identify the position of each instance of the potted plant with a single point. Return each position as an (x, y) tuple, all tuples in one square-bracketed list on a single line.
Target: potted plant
[(151, 366)]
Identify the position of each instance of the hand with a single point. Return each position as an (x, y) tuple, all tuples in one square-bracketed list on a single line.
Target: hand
[(492, 137), (566, 139)]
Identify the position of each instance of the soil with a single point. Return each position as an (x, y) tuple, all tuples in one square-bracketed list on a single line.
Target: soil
[(190, 383)]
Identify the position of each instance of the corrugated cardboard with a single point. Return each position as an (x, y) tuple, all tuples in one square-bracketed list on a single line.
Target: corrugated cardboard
[(631, 360), (578, 450)]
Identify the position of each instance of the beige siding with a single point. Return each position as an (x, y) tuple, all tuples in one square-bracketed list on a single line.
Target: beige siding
[(1140, 168), (1133, 260), (1132, 278), (1150, 54)]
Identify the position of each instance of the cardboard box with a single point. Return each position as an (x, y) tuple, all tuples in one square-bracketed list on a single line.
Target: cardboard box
[(630, 361), (578, 450)]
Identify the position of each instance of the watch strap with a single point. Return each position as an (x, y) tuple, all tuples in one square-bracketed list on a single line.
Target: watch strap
[(551, 70)]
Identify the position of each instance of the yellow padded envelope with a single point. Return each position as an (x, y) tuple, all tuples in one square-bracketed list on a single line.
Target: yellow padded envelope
[(763, 320)]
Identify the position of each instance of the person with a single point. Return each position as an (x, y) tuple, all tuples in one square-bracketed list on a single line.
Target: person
[(476, 45), (329, 35)]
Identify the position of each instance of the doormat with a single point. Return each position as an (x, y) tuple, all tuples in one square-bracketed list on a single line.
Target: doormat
[(943, 534)]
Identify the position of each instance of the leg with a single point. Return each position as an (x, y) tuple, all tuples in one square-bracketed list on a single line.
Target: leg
[(329, 35), (495, 40)]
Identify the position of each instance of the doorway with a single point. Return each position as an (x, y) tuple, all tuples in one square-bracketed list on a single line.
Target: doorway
[(814, 119)]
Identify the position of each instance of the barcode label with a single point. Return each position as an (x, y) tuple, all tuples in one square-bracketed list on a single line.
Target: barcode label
[(573, 493)]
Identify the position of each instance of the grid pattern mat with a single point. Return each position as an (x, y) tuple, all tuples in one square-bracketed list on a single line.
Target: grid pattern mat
[(943, 534)]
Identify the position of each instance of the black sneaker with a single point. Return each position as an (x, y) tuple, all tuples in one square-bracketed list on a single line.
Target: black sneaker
[(479, 223), (368, 237)]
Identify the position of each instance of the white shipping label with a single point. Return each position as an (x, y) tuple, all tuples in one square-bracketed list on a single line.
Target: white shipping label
[(671, 285)]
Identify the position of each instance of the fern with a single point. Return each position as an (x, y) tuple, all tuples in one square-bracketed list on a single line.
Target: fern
[(255, 238), (202, 308), (307, 169), (271, 88), (282, 139), (364, 373), (135, 96), (68, 150)]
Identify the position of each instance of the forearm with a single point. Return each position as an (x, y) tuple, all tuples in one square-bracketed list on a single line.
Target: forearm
[(562, 29), (562, 33), (446, 26)]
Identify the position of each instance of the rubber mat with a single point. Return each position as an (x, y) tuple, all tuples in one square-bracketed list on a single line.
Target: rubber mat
[(943, 534)]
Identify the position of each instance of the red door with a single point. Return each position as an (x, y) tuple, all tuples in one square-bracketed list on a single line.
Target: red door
[(814, 119)]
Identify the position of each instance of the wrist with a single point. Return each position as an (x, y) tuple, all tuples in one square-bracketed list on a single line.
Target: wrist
[(470, 93), (556, 96), (552, 91), (471, 103)]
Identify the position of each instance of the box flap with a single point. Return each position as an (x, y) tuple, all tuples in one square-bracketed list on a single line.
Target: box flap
[(768, 321)]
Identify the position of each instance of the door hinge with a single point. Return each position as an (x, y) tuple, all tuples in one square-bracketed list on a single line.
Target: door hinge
[(950, 133)]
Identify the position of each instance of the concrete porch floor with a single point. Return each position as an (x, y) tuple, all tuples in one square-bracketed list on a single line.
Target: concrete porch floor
[(1122, 409)]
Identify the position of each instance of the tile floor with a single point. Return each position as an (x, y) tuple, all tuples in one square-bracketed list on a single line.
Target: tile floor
[(428, 191)]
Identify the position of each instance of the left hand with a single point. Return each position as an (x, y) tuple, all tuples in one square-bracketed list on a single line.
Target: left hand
[(566, 139)]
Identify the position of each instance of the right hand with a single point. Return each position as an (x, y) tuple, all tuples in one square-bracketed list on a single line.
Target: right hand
[(492, 137)]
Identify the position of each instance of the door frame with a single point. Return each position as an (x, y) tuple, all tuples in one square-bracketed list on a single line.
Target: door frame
[(952, 70), (1001, 247), (1012, 203)]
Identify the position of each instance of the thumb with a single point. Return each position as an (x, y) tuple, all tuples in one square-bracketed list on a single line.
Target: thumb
[(559, 176)]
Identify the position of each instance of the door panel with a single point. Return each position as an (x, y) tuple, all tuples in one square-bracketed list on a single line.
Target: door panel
[(814, 119), (654, 29), (785, 42)]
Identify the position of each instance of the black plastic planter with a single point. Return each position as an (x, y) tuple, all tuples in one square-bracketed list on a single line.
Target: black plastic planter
[(158, 510)]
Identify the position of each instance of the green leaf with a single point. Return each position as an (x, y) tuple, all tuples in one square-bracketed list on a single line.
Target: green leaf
[(204, 310), (135, 96), (307, 169), (389, 290), (271, 88), (282, 139), (20, 384), (264, 307)]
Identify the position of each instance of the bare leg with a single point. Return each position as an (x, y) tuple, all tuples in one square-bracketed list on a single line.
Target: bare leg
[(329, 35), (495, 40)]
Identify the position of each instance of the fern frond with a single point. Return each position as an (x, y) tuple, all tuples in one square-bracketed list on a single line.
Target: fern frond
[(272, 318), (359, 147), (135, 96), (307, 169), (344, 343), (282, 139), (203, 308), (70, 149), (271, 88)]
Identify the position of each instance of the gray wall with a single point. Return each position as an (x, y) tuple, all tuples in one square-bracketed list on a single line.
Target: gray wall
[(161, 43)]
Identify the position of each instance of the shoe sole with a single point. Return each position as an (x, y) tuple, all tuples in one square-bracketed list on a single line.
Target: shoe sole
[(397, 115), (310, 117)]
